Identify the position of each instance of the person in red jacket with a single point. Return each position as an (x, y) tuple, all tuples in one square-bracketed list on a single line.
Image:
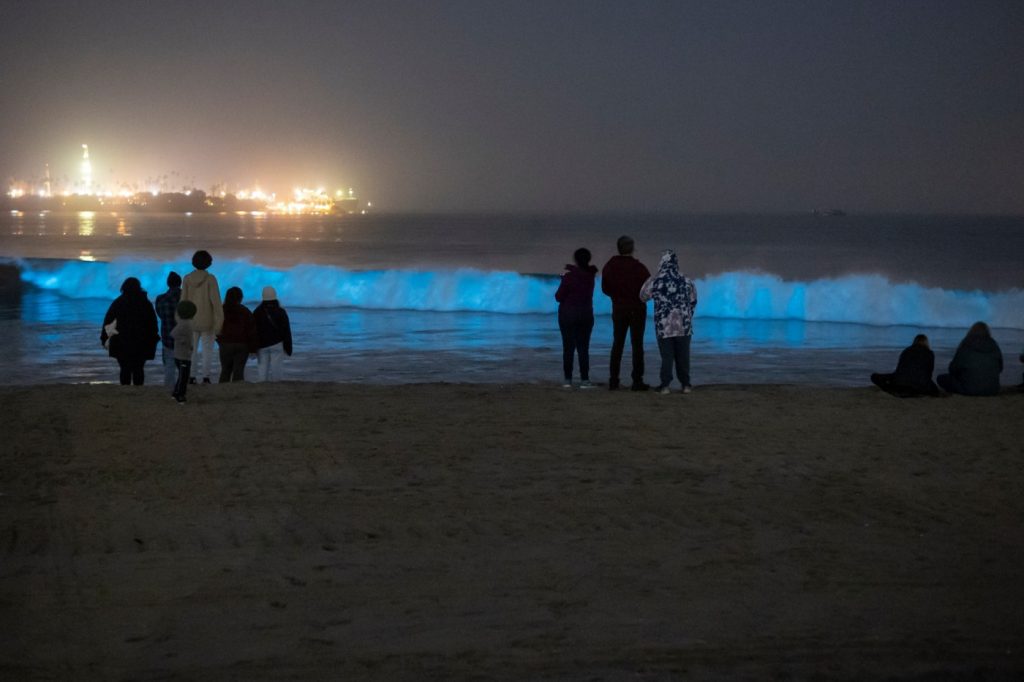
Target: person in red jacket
[(237, 337), (575, 298), (621, 280)]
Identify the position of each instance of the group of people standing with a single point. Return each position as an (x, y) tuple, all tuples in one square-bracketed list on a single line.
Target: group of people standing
[(974, 369), (629, 285), (192, 318)]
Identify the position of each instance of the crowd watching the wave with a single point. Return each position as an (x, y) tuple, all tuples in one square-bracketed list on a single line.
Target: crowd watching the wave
[(133, 326), (191, 316)]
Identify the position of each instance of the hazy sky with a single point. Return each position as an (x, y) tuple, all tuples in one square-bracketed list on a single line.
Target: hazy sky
[(552, 105)]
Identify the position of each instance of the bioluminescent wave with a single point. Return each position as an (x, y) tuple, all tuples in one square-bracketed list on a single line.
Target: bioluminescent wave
[(861, 299)]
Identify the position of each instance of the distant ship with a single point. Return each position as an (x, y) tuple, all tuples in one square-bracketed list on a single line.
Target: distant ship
[(830, 212)]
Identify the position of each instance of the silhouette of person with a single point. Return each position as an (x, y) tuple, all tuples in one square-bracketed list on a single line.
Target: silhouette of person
[(621, 279), (913, 375)]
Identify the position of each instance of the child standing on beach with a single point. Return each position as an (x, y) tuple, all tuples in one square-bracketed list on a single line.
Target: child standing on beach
[(166, 306), (182, 338)]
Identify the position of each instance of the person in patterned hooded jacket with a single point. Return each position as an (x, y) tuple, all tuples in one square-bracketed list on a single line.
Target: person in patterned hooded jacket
[(675, 299)]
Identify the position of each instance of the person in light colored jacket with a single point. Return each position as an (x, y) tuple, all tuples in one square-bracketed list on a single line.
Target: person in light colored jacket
[(200, 287)]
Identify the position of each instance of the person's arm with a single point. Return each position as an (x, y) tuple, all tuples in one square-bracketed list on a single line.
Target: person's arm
[(693, 294), (153, 324), (562, 288), (252, 337), (286, 333), (107, 319), (218, 306), (645, 290), (606, 282)]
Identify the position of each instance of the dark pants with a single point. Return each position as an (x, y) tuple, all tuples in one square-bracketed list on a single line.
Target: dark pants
[(181, 385), (132, 371), (576, 324), (631, 319), (887, 383), (232, 361), (953, 384), (675, 350)]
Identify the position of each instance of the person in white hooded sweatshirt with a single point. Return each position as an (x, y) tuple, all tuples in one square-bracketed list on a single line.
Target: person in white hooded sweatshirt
[(200, 287)]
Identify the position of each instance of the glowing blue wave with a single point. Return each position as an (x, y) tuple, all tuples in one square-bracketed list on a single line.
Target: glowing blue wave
[(861, 299)]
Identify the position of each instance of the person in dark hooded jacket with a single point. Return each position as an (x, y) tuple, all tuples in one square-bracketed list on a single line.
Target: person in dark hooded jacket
[(129, 332), (913, 375), (274, 331), (976, 366), (575, 298)]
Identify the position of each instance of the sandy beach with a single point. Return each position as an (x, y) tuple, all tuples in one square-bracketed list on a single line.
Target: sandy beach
[(445, 531)]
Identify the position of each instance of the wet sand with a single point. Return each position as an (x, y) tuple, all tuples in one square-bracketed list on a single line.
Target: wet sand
[(437, 532)]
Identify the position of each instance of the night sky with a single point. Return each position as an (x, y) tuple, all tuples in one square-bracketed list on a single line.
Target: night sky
[(543, 106)]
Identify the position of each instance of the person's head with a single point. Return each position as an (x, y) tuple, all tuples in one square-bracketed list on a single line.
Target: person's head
[(173, 280), (186, 310), (233, 295), (582, 258), (669, 260), (132, 285), (921, 340), (201, 260), (625, 245), (269, 294), (979, 329)]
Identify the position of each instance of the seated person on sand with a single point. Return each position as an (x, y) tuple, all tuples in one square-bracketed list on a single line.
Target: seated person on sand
[(913, 375), (976, 365)]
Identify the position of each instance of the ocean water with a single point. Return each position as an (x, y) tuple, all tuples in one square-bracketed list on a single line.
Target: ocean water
[(408, 298)]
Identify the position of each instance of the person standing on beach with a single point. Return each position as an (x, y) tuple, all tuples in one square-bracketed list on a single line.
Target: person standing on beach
[(1021, 385), (913, 375), (621, 279), (237, 337), (183, 340), (129, 332), (675, 299), (166, 305), (575, 298), (275, 336), (200, 287), (976, 365)]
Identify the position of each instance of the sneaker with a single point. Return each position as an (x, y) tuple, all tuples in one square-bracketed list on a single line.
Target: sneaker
[(192, 380), (687, 389), (663, 390), (567, 384), (180, 401), (586, 384), (640, 386)]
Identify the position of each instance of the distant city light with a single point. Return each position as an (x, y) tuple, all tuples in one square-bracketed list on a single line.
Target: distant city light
[(88, 192)]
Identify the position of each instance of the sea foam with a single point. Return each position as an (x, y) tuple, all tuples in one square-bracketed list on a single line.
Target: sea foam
[(858, 298)]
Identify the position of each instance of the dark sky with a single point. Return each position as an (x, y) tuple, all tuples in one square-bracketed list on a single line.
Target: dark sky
[(913, 106)]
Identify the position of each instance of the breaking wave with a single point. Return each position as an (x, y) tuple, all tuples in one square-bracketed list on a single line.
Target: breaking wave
[(861, 299)]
